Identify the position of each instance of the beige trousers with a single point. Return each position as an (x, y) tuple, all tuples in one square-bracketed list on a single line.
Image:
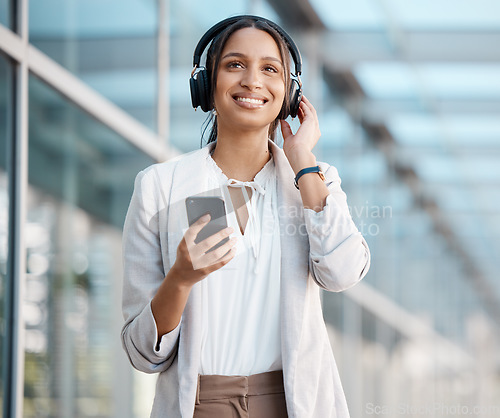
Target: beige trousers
[(256, 396)]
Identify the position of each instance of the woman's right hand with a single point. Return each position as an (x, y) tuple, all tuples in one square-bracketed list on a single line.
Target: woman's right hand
[(193, 262)]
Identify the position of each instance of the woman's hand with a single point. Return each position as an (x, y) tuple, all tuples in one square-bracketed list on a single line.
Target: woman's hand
[(193, 262), (298, 147)]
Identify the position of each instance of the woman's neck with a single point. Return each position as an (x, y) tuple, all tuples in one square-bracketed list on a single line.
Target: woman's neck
[(241, 156)]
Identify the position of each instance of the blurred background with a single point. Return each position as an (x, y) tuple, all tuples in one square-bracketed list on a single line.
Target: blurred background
[(408, 96)]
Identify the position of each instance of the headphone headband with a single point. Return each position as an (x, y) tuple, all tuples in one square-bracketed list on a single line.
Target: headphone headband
[(219, 27), (200, 84)]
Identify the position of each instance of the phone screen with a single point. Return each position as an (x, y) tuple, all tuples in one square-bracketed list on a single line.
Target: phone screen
[(197, 206)]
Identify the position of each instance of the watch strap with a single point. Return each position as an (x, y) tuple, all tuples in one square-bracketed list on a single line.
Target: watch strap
[(315, 169)]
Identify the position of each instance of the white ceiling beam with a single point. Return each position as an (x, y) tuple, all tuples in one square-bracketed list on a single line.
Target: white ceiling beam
[(90, 101), (343, 50), (405, 322)]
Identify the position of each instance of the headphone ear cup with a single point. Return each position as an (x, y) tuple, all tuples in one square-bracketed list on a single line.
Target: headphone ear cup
[(295, 98), (204, 90), (200, 90), (195, 95)]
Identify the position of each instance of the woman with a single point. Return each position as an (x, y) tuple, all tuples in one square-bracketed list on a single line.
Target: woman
[(238, 331)]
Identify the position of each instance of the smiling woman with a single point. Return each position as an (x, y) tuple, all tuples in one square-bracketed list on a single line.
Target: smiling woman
[(234, 326), (250, 85), (275, 59)]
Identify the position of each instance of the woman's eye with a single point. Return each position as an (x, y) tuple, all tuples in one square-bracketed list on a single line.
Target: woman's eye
[(234, 64), (270, 69)]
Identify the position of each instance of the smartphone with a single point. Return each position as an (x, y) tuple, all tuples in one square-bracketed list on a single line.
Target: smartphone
[(197, 206)]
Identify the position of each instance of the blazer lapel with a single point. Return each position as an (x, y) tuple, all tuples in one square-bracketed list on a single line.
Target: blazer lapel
[(189, 178), (294, 266)]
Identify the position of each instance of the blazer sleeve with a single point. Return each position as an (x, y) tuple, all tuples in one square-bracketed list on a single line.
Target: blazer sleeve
[(143, 274), (339, 255)]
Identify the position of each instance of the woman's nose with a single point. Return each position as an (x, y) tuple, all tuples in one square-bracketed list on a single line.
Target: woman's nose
[(251, 78)]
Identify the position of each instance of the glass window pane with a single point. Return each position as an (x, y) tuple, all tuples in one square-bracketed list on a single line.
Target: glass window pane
[(81, 176), (5, 10), (110, 45), (4, 205)]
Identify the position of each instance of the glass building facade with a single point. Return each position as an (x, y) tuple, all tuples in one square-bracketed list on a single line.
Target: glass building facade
[(5, 132), (408, 96)]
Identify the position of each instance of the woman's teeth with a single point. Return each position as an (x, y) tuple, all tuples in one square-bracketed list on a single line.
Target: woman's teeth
[(248, 100)]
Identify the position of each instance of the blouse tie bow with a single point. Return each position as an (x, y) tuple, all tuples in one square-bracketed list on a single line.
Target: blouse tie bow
[(254, 232)]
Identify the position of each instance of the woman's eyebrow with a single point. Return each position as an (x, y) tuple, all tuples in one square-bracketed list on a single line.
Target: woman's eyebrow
[(240, 55)]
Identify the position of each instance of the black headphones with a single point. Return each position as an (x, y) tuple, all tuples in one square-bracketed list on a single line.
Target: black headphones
[(199, 82)]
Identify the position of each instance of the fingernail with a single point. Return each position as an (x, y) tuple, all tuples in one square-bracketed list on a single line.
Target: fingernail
[(205, 217)]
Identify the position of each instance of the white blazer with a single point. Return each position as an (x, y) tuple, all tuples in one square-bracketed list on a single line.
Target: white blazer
[(333, 257)]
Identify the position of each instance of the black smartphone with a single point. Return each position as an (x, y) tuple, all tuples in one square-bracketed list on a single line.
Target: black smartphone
[(197, 206)]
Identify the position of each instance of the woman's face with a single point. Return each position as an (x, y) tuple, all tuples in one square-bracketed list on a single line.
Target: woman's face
[(250, 81)]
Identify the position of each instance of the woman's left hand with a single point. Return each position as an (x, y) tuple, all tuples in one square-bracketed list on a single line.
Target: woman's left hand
[(306, 137)]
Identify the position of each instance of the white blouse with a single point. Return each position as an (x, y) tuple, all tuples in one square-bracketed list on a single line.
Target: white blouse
[(241, 301)]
